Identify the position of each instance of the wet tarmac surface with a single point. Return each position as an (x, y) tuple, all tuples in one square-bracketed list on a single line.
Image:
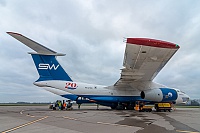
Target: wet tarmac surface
[(89, 120)]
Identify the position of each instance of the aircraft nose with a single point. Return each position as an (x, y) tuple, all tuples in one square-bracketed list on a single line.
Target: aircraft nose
[(186, 98)]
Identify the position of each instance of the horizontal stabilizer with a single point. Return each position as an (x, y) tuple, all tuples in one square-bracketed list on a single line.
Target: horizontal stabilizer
[(40, 49)]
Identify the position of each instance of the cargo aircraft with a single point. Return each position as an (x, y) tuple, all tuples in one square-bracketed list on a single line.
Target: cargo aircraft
[(143, 60)]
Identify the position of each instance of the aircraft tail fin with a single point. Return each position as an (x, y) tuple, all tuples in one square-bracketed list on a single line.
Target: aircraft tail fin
[(49, 68), (45, 60)]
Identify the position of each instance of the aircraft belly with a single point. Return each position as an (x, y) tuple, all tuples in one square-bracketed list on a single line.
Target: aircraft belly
[(104, 98)]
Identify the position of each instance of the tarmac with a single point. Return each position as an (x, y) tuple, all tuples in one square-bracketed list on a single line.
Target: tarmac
[(88, 119)]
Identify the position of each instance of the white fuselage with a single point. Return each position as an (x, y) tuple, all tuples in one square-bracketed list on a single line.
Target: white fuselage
[(78, 88)]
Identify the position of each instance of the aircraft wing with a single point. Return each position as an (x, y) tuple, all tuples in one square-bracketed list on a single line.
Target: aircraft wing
[(144, 58)]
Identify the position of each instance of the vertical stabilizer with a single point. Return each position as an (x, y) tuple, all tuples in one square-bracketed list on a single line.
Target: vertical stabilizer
[(45, 60), (49, 68)]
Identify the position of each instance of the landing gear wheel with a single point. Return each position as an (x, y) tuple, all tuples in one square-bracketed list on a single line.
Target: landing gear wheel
[(120, 107), (130, 107), (113, 107)]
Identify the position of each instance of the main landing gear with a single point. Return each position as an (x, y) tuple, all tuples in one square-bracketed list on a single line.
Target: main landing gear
[(123, 106)]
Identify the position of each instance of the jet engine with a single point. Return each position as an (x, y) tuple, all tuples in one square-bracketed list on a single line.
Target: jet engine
[(159, 95)]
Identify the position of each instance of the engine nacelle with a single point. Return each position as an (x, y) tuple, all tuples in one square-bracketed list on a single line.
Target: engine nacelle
[(159, 95)]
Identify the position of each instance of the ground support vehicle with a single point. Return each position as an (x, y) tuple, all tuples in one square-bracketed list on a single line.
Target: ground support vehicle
[(146, 108), (163, 107)]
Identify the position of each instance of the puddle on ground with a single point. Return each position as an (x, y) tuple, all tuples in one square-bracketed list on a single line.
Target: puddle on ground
[(133, 122)]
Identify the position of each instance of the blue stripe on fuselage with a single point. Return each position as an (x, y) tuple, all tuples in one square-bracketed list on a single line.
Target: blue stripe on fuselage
[(104, 98), (70, 96)]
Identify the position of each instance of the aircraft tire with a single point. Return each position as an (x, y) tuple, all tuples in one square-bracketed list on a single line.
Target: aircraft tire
[(113, 106), (129, 107), (120, 107)]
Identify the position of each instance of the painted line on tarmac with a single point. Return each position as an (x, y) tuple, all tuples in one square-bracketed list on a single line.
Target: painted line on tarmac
[(183, 131), (23, 125), (113, 124), (21, 112), (30, 116), (70, 118)]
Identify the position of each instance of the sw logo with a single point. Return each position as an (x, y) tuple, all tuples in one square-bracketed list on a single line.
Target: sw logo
[(71, 85), (169, 95), (48, 66)]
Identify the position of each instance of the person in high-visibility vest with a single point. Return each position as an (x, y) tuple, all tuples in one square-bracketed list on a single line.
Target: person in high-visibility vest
[(64, 105), (59, 105)]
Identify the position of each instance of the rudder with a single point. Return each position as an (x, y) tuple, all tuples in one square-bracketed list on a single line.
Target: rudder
[(49, 68)]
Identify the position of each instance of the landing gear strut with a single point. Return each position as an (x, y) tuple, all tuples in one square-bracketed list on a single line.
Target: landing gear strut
[(113, 106), (123, 106), (130, 106), (118, 106)]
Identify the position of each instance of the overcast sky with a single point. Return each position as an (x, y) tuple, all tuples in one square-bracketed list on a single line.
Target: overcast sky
[(91, 34)]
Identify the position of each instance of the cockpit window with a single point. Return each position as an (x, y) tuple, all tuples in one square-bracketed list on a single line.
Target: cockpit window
[(180, 91)]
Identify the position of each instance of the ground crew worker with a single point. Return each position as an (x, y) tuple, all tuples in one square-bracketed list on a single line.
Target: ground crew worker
[(79, 106), (141, 104), (69, 104), (64, 104), (172, 106), (59, 105)]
